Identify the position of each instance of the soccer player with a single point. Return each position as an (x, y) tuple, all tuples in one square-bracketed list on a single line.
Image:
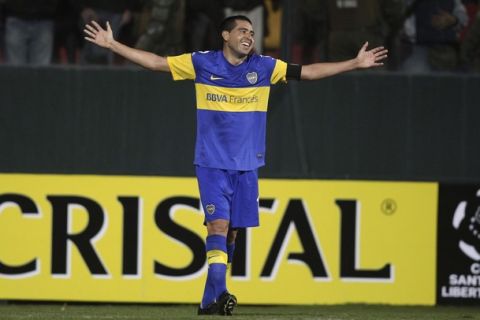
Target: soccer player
[(232, 89)]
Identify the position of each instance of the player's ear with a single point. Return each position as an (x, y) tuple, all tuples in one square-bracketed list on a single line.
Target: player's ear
[(225, 35)]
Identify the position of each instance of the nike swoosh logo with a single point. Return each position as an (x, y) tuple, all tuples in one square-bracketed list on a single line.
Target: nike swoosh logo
[(212, 77)]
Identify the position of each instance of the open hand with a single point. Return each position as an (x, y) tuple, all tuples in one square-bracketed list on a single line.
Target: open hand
[(371, 58), (96, 34)]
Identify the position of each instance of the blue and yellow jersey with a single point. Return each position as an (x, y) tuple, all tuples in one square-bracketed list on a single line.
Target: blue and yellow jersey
[(232, 104)]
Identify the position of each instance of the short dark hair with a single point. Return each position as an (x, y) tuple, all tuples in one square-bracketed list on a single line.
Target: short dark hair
[(229, 23)]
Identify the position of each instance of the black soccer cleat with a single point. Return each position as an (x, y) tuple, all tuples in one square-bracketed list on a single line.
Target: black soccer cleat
[(211, 309), (226, 303), (224, 306)]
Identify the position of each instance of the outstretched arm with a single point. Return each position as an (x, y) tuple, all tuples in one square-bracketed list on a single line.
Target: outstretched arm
[(104, 38), (364, 59)]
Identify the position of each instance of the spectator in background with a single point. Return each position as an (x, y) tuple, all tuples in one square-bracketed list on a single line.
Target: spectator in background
[(117, 12), (203, 18), (255, 11), (163, 33), (434, 29), (29, 30), (470, 49), (310, 31), (273, 28), (2, 30), (68, 38), (471, 7), (352, 22)]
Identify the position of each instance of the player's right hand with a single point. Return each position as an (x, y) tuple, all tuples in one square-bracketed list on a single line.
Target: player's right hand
[(96, 34)]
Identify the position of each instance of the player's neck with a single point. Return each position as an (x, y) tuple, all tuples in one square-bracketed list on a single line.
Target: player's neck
[(233, 57)]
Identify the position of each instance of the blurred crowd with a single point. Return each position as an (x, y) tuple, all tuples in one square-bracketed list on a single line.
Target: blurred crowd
[(422, 35)]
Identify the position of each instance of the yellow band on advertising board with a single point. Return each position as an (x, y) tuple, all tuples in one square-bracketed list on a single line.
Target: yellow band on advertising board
[(141, 239)]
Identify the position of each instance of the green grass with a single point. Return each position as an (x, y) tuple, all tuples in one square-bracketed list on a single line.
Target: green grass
[(16, 311)]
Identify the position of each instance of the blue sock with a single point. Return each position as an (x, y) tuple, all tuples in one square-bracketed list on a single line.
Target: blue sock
[(215, 285)]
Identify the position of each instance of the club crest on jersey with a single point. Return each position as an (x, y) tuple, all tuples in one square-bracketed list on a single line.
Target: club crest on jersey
[(210, 208), (252, 77)]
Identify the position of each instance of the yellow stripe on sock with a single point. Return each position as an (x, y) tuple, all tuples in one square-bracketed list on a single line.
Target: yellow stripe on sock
[(217, 256)]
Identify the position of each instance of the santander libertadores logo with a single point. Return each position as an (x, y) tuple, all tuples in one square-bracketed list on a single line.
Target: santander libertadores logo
[(467, 221)]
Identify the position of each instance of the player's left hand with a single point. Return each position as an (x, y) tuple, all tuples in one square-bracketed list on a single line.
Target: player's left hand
[(371, 58)]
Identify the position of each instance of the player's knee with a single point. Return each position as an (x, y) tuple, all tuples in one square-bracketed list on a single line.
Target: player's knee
[(218, 226)]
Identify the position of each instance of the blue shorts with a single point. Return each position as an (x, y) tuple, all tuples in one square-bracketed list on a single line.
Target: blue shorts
[(230, 195)]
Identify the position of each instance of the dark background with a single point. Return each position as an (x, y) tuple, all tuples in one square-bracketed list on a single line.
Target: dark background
[(361, 125)]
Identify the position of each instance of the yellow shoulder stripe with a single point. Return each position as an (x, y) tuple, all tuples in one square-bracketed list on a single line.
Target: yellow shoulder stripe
[(279, 72), (181, 67)]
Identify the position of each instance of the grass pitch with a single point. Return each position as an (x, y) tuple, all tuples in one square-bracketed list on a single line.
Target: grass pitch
[(17, 311)]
